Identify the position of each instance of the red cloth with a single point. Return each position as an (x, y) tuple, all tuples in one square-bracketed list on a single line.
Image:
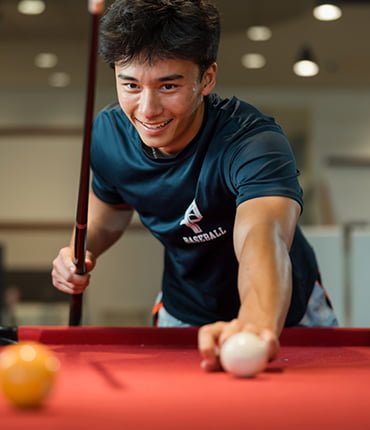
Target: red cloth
[(150, 379)]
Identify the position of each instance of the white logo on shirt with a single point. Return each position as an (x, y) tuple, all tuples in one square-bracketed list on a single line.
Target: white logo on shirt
[(192, 217)]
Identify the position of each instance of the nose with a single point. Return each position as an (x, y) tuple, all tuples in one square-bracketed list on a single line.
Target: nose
[(150, 104)]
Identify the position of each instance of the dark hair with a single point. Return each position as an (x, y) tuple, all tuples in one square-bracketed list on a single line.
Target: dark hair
[(148, 29)]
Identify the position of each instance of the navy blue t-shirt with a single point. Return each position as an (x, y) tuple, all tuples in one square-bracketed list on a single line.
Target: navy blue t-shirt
[(189, 201)]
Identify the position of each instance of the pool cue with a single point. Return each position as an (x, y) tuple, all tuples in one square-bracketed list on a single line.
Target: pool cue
[(95, 8)]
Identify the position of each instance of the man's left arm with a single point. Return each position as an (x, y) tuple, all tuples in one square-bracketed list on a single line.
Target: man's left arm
[(263, 233)]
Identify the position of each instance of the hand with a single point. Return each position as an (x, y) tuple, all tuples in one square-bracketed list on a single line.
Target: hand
[(211, 337), (64, 271)]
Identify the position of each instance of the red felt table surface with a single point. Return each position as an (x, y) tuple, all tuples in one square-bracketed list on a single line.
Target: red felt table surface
[(149, 378)]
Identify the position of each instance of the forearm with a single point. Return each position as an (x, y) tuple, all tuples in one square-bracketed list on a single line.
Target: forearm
[(263, 233), (265, 286), (265, 279), (102, 237), (106, 224)]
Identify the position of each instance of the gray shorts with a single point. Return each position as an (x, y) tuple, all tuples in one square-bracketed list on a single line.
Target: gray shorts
[(318, 313)]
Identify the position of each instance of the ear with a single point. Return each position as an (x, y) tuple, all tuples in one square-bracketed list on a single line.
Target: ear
[(209, 79)]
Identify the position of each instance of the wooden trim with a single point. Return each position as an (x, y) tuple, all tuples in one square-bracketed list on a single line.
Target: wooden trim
[(49, 226), (35, 225), (347, 161), (41, 131)]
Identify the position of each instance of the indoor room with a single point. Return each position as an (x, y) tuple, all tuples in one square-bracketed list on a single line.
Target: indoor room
[(324, 111), (221, 185)]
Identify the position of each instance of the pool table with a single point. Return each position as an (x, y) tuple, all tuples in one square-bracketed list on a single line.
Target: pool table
[(150, 378)]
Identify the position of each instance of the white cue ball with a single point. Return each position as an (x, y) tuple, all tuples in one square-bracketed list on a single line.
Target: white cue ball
[(244, 354)]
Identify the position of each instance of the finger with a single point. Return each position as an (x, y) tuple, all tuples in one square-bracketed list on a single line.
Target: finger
[(68, 277), (67, 287), (208, 345), (272, 342), (63, 263), (71, 282), (90, 261), (66, 280)]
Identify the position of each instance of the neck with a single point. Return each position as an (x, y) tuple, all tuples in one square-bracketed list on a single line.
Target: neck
[(159, 153), (156, 152)]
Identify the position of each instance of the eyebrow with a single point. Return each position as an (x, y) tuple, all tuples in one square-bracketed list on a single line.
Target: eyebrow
[(172, 77)]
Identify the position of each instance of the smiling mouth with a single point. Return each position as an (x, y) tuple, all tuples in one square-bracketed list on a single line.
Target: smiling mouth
[(154, 126)]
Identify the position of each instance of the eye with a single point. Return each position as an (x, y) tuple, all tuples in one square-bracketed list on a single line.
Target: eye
[(130, 86), (169, 86)]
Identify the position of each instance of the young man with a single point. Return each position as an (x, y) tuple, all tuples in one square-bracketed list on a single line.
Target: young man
[(213, 179)]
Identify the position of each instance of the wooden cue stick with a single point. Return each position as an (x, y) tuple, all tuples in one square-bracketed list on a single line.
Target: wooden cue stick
[(75, 315)]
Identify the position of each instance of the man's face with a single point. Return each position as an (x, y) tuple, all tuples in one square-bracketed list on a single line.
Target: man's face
[(164, 100)]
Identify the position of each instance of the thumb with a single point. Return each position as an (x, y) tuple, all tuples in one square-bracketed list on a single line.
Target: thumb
[(272, 343), (90, 261)]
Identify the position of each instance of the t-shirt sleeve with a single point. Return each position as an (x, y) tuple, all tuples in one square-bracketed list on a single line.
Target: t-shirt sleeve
[(263, 165), (100, 161), (104, 191)]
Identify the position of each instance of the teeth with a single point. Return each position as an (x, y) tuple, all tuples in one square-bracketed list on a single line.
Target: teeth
[(155, 127)]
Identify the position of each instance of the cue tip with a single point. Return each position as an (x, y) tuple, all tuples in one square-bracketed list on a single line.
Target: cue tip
[(96, 7)]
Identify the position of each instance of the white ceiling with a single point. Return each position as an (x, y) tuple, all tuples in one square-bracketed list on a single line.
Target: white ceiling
[(341, 47)]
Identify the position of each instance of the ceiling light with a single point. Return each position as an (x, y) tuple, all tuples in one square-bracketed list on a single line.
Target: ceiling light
[(305, 65), (59, 79), (306, 68), (46, 60), (253, 61), (31, 7), (259, 33), (327, 11)]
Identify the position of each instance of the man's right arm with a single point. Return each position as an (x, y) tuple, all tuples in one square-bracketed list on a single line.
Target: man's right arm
[(106, 223)]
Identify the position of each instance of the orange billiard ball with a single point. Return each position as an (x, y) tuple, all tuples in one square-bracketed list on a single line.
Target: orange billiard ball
[(27, 373)]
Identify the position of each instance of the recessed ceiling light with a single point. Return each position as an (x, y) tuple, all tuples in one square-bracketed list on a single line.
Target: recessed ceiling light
[(327, 12), (259, 33), (253, 61), (46, 60), (59, 79), (31, 7)]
